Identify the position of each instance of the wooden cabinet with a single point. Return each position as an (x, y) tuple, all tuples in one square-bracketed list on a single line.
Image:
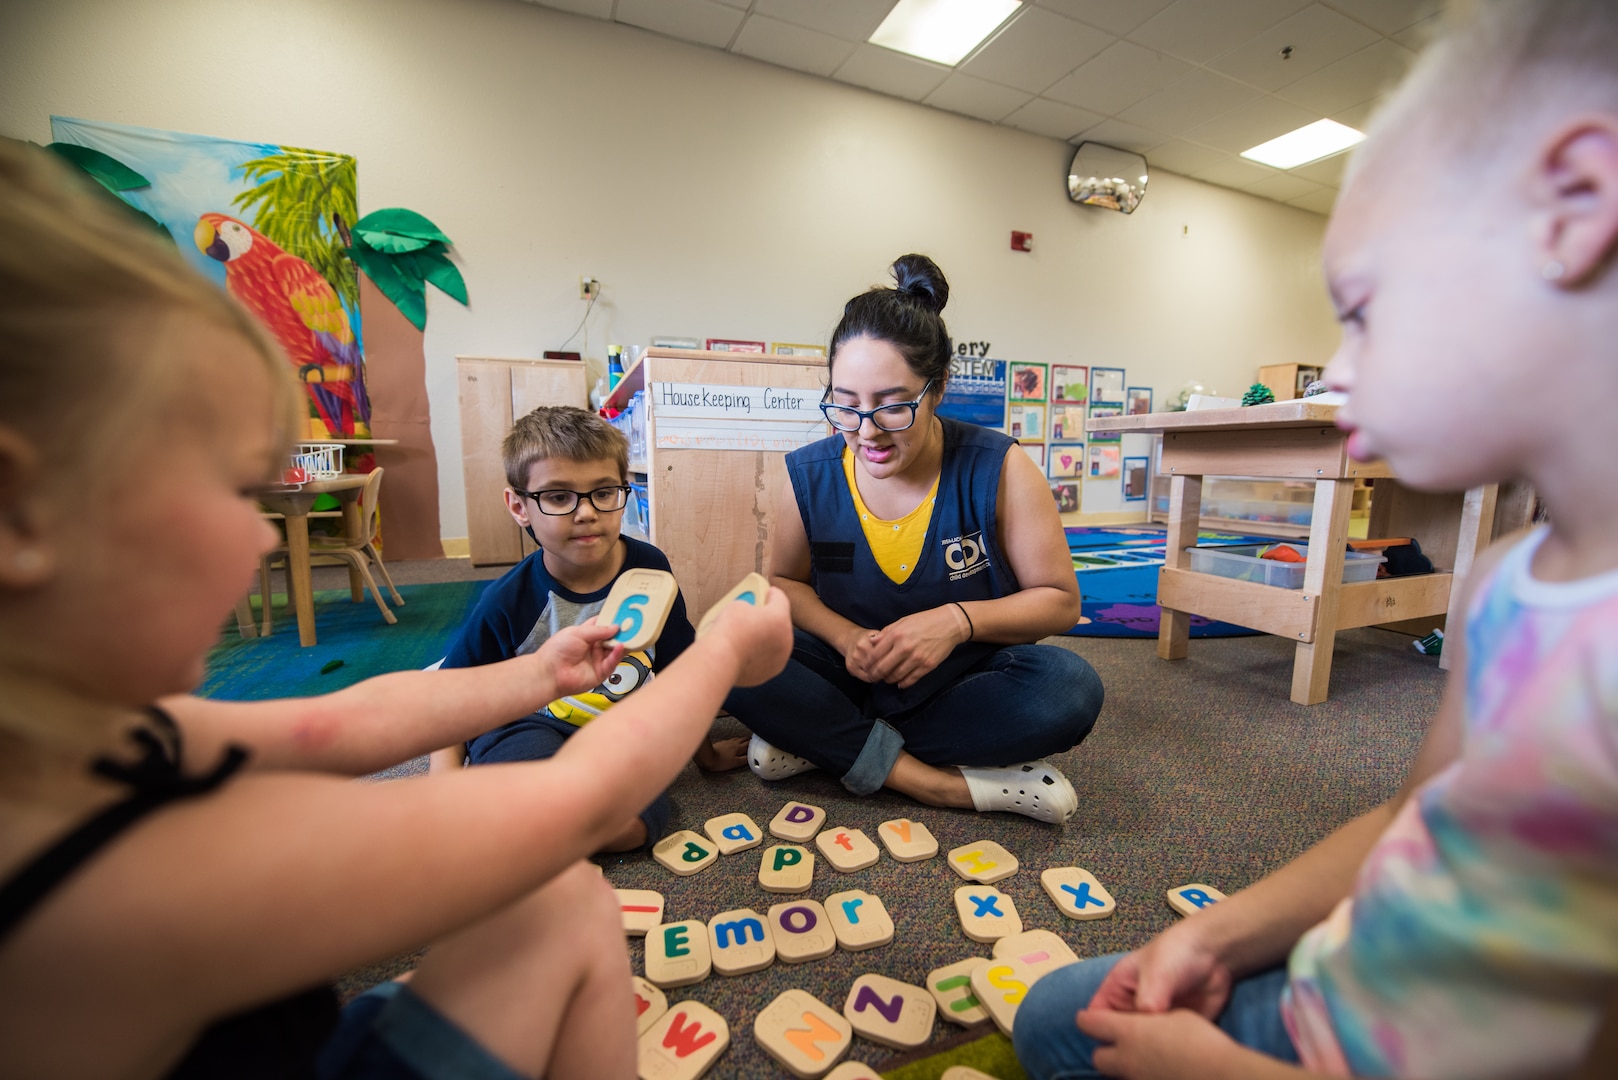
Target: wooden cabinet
[(493, 393), (712, 497), (1288, 381)]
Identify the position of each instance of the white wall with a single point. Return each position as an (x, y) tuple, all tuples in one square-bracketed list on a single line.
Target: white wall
[(713, 195)]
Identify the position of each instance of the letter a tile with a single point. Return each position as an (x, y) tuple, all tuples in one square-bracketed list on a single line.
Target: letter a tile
[(802, 931), (859, 919), (987, 914), (1190, 899), (683, 1044), (650, 1004), (802, 1033), (982, 861), (890, 1012), (797, 822), (733, 833), (685, 853), (786, 868), (740, 941), (951, 987), (1077, 893), (677, 954), (906, 840), (847, 849)]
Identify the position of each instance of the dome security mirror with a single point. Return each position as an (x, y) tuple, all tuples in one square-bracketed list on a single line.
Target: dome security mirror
[(1106, 176)]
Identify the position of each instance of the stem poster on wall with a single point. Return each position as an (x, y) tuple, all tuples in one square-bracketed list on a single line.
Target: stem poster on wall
[(976, 392)]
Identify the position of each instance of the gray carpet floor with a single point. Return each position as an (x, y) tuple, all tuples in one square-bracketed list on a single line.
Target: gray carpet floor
[(1198, 770)]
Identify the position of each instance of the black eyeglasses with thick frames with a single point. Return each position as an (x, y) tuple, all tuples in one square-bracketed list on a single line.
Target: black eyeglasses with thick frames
[(560, 502), (896, 417)]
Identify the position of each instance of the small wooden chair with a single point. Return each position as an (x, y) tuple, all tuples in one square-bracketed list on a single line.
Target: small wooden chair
[(359, 551)]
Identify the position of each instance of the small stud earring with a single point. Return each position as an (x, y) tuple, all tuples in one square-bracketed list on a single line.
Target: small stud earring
[(28, 560), (1552, 271)]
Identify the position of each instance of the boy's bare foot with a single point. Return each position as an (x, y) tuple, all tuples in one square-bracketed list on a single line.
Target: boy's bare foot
[(721, 756)]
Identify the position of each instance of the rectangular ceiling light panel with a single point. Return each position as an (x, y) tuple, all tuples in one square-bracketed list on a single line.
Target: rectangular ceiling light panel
[(943, 31), (1323, 138)]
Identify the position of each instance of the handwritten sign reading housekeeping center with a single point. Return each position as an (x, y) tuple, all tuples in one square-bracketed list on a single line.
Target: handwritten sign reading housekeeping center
[(701, 417)]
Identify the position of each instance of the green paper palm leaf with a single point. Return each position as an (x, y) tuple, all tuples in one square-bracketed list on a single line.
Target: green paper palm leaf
[(401, 252)]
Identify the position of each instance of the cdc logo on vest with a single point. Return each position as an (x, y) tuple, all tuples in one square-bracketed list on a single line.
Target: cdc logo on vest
[(965, 556)]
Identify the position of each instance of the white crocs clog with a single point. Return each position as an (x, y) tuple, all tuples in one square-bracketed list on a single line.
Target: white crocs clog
[(1035, 789), (768, 763)]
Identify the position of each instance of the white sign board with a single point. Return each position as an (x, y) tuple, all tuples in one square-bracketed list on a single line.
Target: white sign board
[(693, 416)]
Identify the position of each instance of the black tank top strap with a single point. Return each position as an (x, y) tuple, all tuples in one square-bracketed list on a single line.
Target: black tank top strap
[(155, 779)]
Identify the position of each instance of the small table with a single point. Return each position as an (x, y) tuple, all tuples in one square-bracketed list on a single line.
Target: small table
[(1298, 440), (294, 504)]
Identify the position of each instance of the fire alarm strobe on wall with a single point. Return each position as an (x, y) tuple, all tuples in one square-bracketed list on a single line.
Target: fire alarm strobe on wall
[(1022, 241)]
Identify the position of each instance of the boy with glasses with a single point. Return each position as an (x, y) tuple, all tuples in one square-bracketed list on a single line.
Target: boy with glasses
[(567, 471)]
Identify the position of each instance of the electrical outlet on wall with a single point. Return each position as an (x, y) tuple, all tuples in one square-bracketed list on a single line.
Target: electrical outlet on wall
[(589, 288)]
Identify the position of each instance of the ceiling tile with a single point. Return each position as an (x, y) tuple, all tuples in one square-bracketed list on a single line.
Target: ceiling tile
[(596, 9), (1199, 30), (1319, 202), (702, 21), (1416, 37), (1317, 37), (889, 72), (1201, 95), (1045, 117), (1123, 136), (1185, 158), (977, 97), (852, 20), (1035, 50), (1117, 16), (1358, 116), (1123, 74), (1351, 80), (1389, 16), (1328, 171), (1283, 187), (1236, 173), (791, 46), (1247, 125)]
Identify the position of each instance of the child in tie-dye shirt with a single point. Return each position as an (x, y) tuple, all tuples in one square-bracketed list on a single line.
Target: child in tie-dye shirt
[(1468, 927)]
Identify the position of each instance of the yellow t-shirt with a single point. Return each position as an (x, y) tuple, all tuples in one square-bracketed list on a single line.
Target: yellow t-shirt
[(896, 544)]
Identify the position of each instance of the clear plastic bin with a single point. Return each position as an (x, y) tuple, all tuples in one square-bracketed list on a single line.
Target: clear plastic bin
[(1243, 563)]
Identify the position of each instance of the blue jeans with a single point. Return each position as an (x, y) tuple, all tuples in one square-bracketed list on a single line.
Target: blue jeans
[(1050, 1045), (1023, 702), (539, 736), (388, 1033)]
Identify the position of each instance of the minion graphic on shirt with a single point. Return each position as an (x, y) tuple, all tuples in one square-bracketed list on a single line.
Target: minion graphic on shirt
[(632, 672)]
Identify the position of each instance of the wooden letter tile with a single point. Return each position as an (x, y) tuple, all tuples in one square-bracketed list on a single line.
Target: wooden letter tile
[(650, 1004), (642, 909), (740, 941), (906, 840), (677, 954), (683, 1044), (751, 589), (733, 832), (859, 919), (987, 914), (802, 931), (1190, 899), (890, 1012), (685, 852), (982, 861), (786, 868), (797, 822), (1039, 951), (964, 1072), (951, 987), (1001, 985), (802, 1033), (847, 849), (639, 602), (1077, 893), (853, 1070)]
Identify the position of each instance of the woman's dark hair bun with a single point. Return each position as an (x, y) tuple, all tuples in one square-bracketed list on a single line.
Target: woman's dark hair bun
[(920, 279)]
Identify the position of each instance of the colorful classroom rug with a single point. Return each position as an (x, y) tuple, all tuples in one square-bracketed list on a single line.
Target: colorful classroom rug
[(1117, 572), (246, 669)]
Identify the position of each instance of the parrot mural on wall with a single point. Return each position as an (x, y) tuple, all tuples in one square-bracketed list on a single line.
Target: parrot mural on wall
[(304, 313)]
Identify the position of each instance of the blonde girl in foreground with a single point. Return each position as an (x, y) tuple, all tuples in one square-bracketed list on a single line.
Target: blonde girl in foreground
[(1468, 927), (178, 881)]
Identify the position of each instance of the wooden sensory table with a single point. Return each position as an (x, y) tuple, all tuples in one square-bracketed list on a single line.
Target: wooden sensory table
[(1299, 440)]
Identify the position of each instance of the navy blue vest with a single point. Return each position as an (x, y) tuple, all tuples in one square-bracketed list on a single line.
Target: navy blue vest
[(960, 557)]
